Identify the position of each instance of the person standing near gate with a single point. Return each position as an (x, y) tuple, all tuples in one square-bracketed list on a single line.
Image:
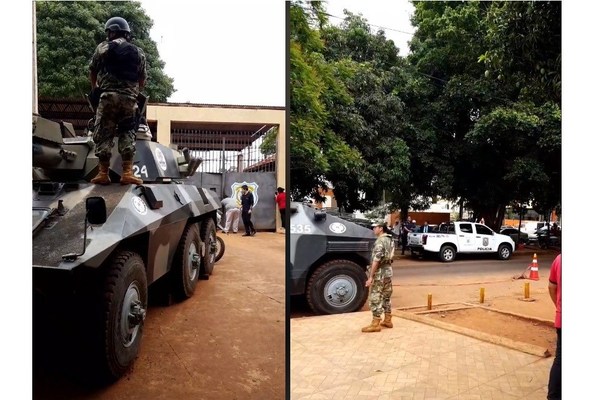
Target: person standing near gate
[(281, 204), (232, 215), (247, 200)]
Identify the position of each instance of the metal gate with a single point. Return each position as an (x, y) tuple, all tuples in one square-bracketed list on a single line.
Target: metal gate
[(263, 186)]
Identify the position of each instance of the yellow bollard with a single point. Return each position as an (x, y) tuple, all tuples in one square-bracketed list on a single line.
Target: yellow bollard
[(526, 290), (429, 297), (481, 294)]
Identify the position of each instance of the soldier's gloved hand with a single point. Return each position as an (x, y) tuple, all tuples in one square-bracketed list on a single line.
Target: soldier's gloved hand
[(368, 282)]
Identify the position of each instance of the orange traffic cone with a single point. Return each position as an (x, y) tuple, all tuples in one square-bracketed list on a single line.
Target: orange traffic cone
[(533, 269)]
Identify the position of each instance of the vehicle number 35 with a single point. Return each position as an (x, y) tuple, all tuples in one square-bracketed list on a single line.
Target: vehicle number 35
[(139, 171), (300, 228)]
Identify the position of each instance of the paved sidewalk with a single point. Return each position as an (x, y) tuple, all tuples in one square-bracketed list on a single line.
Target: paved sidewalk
[(332, 359)]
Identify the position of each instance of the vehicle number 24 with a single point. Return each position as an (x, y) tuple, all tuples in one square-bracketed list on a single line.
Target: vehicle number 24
[(139, 171)]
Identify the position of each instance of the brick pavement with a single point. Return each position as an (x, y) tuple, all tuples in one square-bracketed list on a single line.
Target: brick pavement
[(332, 359)]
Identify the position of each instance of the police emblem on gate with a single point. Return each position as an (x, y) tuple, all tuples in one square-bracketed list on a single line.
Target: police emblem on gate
[(486, 242), (236, 191)]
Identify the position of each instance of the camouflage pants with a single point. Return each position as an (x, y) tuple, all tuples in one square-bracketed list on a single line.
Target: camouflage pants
[(115, 116), (381, 293)]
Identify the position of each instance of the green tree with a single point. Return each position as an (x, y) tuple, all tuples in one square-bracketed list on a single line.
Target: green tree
[(496, 125), (68, 33), (316, 150), (469, 115)]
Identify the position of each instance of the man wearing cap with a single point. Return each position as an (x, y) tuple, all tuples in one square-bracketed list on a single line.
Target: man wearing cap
[(247, 200), (380, 278)]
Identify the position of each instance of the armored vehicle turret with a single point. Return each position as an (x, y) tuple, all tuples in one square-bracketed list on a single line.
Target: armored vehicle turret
[(98, 248)]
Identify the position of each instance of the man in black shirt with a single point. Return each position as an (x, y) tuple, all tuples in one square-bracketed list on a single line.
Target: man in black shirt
[(247, 200)]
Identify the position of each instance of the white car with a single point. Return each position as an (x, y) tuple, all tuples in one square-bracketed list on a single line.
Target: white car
[(452, 238)]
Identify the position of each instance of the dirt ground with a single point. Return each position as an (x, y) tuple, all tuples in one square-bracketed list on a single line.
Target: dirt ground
[(508, 326), (225, 342), (501, 292)]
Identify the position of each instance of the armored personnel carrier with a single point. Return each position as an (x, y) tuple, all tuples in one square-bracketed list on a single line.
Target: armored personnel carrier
[(329, 256), (98, 248)]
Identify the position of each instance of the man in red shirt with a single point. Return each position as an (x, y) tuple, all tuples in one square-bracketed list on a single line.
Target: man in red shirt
[(281, 204), (555, 290)]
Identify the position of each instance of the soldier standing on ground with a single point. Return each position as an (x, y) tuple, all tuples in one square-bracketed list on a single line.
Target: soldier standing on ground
[(118, 72), (380, 279)]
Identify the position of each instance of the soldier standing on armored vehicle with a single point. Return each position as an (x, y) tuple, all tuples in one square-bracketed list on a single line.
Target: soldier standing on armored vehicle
[(380, 279), (117, 75)]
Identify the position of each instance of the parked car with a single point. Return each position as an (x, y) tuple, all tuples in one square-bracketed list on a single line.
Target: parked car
[(456, 237), (516, 236), (430, 228)]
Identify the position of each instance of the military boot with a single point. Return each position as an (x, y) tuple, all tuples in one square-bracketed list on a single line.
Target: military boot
[(387, 321), (102, 178), (127, 178), (374, 327)]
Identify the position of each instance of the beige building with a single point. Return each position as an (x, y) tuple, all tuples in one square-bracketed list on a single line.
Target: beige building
[(220, 127)]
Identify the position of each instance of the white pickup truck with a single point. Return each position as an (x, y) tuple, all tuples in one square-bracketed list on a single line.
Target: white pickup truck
[(451, 238)]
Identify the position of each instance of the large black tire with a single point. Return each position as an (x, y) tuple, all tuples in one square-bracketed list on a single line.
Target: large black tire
[(186, 263), (208, 235), (504, 251), (447, 253), (220, 248), (338, 286), (125, 301)]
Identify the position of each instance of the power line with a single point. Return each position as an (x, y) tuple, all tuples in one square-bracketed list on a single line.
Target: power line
[(373, 25)]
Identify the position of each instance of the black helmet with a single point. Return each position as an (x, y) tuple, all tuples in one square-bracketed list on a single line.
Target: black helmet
[(116, 24)]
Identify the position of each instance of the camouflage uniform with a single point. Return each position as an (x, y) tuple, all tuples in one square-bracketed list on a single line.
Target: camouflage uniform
[(117, 109), (381, 288)]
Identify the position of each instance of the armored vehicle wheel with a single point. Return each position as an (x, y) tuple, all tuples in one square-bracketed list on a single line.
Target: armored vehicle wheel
[(337, 286), (186, 263), (504, 252), (208, 234), (447, 253), (220, 248), (125, 295)]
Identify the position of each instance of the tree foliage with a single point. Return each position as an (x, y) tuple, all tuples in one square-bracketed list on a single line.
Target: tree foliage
[(472, 114), (67, 34), (316, 150), (498, 122)]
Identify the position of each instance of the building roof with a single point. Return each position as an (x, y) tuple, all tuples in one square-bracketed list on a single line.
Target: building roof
[(193, 135)]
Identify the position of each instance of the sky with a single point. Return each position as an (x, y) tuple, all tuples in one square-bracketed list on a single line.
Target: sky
[(222, 52), (391, 16), (235, 27), (217, 56)]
